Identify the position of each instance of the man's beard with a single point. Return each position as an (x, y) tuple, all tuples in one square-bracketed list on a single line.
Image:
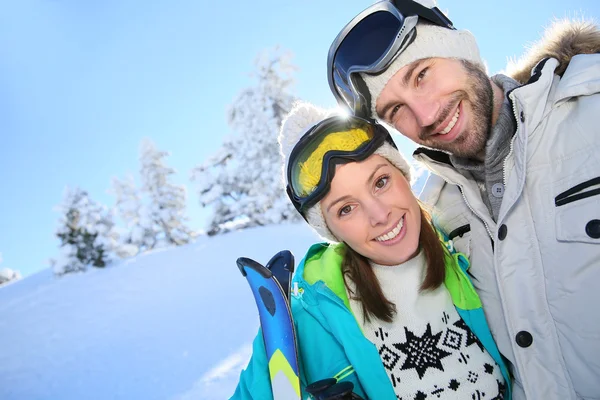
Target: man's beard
[(470, 143)]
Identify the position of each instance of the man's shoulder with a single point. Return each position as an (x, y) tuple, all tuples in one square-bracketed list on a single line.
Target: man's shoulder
[(563, 41), (581, 78)]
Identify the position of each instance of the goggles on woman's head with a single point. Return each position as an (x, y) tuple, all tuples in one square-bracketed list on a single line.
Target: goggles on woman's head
[(335, 140), (369, 43)]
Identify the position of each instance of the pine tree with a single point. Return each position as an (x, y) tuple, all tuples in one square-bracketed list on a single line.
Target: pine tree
[(167, 222), (7, 274), (86, 232), (242, 181), (137, 236)]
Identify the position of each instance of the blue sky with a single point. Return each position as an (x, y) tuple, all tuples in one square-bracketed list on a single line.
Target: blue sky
[(81, 83)]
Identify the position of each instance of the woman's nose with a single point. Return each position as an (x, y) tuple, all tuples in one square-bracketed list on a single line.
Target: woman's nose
[(379, 212)]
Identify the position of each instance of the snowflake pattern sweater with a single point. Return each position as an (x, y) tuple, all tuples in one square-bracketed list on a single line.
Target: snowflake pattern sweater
[(427, 350)]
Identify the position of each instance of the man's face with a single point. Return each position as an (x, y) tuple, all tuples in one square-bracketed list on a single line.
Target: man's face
[(440, 103)]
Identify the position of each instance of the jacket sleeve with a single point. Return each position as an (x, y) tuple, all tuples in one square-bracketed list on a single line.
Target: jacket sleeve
[(254, 383)]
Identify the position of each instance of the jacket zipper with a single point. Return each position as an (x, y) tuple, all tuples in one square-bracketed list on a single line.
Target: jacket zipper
[(512, 142), (487, 228)]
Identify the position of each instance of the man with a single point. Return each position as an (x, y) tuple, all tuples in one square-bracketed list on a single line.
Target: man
[(516, 174)]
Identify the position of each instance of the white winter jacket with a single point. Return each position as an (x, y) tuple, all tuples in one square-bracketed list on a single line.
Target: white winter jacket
[(537, 270)]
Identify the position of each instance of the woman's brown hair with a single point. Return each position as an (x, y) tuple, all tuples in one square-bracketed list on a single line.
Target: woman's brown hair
[(367, 289)]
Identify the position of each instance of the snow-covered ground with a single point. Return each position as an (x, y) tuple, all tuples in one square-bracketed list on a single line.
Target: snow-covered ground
[(175, 324), (172, 324)]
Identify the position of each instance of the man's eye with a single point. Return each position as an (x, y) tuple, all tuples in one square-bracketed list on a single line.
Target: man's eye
[(394, 112)]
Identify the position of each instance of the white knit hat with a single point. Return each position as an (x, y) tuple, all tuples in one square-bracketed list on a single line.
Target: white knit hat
[(430, 41), (302, 117)]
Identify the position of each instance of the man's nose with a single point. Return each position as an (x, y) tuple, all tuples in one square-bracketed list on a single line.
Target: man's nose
[(426, 110)]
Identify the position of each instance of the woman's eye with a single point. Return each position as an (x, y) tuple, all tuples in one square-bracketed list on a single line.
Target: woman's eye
[(345, 210), (422, 74), (381, 182)]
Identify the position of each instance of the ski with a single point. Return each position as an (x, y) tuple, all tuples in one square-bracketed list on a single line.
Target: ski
[(271, 286), (281, 266)]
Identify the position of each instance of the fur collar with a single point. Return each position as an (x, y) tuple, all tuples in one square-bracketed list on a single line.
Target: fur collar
[(562, 40)]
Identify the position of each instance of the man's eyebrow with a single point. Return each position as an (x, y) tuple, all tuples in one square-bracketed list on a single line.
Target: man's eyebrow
[(385, 109), (411, 70), (405, 79)]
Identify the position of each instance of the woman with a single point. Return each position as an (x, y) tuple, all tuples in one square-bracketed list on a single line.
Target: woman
[(384, 303)]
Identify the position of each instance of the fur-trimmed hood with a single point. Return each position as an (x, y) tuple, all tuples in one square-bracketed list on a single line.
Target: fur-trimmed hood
[(561, 40)]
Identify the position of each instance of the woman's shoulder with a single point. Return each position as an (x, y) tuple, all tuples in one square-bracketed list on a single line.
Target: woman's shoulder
[(321, 263)]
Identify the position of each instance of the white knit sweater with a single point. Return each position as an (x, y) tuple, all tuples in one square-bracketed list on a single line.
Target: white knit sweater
[(427, 350)]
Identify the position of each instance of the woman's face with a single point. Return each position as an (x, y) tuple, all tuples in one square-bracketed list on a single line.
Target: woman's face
[(371, 208)]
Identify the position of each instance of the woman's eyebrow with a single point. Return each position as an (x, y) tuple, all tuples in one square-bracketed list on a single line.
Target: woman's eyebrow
[(348, 196), (337, 201), (375, 171)]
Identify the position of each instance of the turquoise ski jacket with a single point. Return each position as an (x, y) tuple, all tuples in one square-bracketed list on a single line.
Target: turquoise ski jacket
[(330, 340)]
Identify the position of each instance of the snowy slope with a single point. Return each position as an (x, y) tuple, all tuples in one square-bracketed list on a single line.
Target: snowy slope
[(175, 324)]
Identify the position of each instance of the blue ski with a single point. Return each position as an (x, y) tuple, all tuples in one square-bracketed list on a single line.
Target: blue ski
[(270, 286)]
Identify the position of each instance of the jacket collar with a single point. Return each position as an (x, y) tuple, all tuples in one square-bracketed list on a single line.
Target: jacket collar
[(323, 263)]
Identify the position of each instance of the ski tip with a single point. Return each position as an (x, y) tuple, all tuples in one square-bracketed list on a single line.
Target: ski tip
[(244, 263), (284, 256), (241, 263)]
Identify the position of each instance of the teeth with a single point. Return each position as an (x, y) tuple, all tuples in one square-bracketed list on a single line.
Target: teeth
[(451, 124), (393, 233)]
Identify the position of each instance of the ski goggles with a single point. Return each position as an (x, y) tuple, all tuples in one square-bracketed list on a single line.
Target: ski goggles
[(335, 140), (369, 43)]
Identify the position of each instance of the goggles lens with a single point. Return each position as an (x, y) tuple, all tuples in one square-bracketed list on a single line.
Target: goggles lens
[(367, 42), (310, 167), (364, 46)]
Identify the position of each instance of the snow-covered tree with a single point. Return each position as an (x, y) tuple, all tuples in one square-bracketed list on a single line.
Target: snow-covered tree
[(242, 180), (7, 274), (137, 234), (86, 231), (165, 212)]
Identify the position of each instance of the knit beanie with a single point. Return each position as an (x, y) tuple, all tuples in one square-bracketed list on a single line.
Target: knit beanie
[(430, 41), (302, 117)]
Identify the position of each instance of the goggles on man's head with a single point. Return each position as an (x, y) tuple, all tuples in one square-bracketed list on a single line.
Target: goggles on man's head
[(369, 43), (335, 140)]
